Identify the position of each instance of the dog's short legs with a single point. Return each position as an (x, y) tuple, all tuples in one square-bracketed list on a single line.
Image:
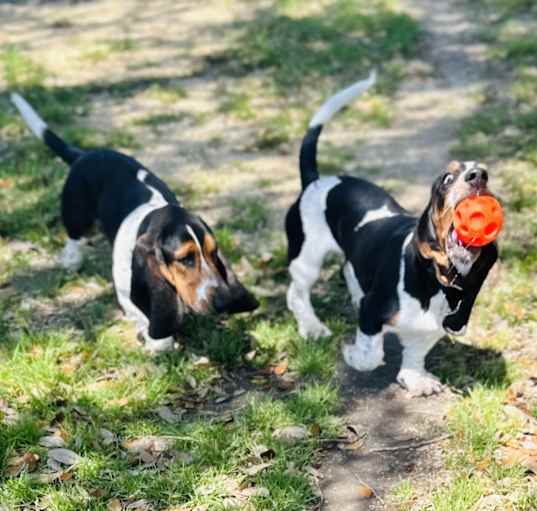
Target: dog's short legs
[(367, 352), (413, 375), (305, 270), (73, 254)]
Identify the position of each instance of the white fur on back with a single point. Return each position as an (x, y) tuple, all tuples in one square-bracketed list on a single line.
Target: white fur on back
[(123, 249), (342, 98), (30, 116), (375, 214), (312, 212)]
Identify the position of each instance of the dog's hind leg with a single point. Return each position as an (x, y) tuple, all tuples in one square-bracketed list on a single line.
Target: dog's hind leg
[(306, 255), (309, 241), (78, 215), (305, 270)]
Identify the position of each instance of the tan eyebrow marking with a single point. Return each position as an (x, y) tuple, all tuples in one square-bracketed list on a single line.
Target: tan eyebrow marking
[(209, 244), (185, 249)]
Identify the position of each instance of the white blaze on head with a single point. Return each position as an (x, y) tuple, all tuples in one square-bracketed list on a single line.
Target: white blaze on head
[(209, 280)]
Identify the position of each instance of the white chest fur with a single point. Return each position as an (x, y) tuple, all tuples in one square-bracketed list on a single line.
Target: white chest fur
[(412, 317), (123, 249)]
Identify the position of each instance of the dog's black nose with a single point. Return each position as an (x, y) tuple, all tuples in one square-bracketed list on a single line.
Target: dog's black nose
[(477, 176)]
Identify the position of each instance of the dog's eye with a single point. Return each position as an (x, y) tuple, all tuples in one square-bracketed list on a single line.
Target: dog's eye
[(448, 179), (189, 260)]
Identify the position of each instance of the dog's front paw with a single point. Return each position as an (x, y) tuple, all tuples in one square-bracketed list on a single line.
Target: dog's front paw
[(363, 358), (156, 346), (419, 383), (313, 330), (460, 332)]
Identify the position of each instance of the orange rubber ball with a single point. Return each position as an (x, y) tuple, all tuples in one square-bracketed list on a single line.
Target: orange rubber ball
[(478, 220)]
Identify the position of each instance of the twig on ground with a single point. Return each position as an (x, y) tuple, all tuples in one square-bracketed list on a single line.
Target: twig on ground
[(412, 445), (361, 481)]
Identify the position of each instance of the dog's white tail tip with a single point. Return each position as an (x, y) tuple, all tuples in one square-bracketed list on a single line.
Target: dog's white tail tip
[(30, 116), (341, 99)]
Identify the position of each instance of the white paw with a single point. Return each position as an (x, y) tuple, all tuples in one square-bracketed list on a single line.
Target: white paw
[(313, 330), (72, 255), (156, 346), (462, 331), (363, 358), (419, 383)]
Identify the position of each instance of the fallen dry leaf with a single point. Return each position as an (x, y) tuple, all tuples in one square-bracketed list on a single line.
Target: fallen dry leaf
[(250, 355), (255, 491), (140, 505), (509, 456), (6, 183), (114, 505), (493, 503), (263, 452), (364, 491), (150, 450), (98, 493), (253, 470), (290, 434), (52, 441), (107, 437), (64, 456), (17, 464), (281, 368)]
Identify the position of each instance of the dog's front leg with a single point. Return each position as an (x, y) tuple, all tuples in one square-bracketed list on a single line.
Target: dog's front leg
[(412, 374), (367, 352)]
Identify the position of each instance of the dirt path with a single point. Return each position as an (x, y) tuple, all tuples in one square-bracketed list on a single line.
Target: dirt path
[(428, 109)]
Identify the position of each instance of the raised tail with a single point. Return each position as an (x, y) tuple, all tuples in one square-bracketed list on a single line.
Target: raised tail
[(39, 128), (308, 149)]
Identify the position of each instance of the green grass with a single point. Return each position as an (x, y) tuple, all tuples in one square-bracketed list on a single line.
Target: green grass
[(108, 49), (299, 46), (166, 93), (248, 215), (237, 104)]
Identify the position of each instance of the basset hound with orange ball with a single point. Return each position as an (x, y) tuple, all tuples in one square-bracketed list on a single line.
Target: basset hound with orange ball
[(411, 274), (166, 262)]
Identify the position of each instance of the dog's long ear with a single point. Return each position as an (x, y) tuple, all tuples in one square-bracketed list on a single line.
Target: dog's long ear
[(429, 244), (151, 292), (237, 298)]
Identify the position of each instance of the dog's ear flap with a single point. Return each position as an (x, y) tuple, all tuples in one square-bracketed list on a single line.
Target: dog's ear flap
[(238, 298), (151, 292), (430, 247), (426, 230)]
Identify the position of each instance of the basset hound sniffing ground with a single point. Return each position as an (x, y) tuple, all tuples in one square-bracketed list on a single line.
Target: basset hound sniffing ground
[(405, 273), (166, 262)]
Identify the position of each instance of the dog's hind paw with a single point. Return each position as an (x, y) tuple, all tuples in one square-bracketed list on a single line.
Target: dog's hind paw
[(419, 383), (314, 330)]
